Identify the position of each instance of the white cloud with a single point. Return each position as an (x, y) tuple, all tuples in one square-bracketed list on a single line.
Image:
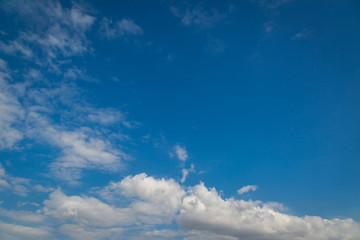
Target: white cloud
[(155, 200), (21, 204), (157, 197), (22, 216), (181, 153), (43, 189), (82, 134), (151, 201), (16, 46), (81, 232), (3, 66), (199, 210), (108, 116), (86, 210), (59, 32), (75, 73), (19, 186), (83, 145), (80, 151), (34, 74), (19, 232), (124, 27), (185, 173), (203, 235), (247, 189), (162, 234), (205, 210), (11, 112)]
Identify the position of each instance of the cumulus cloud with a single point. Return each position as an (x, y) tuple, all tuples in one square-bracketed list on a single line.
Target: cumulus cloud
[(157, 197), (247, 189), (181, 153), (124, 27), (206, 210), (156, 200), (86, 210), (199, 210), (153, 201)]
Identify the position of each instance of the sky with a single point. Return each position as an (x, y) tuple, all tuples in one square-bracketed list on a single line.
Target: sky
[(224, 120)]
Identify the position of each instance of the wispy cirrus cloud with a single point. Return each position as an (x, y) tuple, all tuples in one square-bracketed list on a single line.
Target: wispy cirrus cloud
[(76, 73), (203, 18), (16, 47), (197, 16), (18, 185), (301, 35), (80, 136), (52, 31), (186, 171), (80, 148), (271, 4), (246, 189), (125, 27), (11, 112)]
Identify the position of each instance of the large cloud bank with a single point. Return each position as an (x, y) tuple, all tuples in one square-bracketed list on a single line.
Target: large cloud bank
[(196, 209)]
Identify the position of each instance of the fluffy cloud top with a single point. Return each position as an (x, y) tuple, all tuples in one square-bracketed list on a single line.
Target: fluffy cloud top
[(205, 210), (198, 209)]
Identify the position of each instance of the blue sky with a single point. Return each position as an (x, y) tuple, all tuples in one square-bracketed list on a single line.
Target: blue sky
[(180, 119)]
